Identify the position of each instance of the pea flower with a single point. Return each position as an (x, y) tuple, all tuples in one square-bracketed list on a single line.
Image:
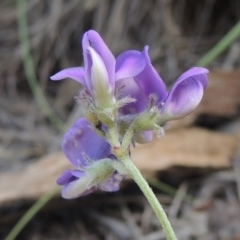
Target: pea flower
[(124, 100), (182, 99), (179, 102), (106, 82), (101, 71), (90, 155)]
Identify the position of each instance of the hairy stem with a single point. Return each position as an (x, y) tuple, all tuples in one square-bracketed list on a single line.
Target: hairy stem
[(142, 183)]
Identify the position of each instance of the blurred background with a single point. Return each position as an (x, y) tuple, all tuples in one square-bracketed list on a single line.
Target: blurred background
[(194, 169)]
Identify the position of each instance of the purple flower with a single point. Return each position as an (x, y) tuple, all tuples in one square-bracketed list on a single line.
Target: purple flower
[(101, 71), (84, 149), (184, 96), (147, 86)]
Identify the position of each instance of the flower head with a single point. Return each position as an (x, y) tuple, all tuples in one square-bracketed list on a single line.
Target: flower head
[(123, 100), (90, 155), (152, 97), (184, 96), (101, 71)]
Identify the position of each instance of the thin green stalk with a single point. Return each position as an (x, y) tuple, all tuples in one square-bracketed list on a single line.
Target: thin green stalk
[(223, 44), (161, 186), (42, 102), (167, 189), (142, 183), (29, 66), (31, 212)]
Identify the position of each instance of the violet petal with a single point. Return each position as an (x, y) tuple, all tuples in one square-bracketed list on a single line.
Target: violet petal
[(76, 183), (113, 183), (128, 87), (199, 74), (144, 137), (80, 140), (183, 98), (76, 73), (69, 175), (150, 81), (129, 64), (93, 39), (102, 90)]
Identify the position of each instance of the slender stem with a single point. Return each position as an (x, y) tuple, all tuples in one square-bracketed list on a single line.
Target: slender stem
[(168, 189), (142, 183), (128, 136), (231, 36), (29, 66), (31, 212), (113, 136)]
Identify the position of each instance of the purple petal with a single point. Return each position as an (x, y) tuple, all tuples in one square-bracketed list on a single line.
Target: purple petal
[(69, 175), (88, 67), (76, 183), (101, 89), (80, 140), (144, 137), (128, 87), (150, 81), (183, 99), (129, 64), (198, 73), (113, 183), (93, 39), (75, 189), (76, 73)]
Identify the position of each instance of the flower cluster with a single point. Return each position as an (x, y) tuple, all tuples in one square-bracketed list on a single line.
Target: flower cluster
[(123, 101)]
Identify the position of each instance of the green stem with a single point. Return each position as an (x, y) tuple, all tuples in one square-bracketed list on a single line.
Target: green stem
[(231, 36), (113, 136), (29, 66), (128, 136), (142, 183), (31, 212), (168, 189)]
